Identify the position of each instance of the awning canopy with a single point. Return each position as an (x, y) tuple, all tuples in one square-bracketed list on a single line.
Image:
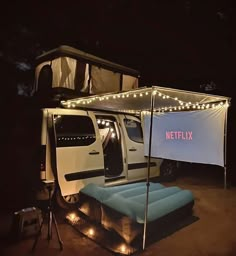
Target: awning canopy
[(138, 100)]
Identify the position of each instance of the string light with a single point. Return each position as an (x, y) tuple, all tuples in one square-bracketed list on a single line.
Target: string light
[(181, 104), (91, 232)]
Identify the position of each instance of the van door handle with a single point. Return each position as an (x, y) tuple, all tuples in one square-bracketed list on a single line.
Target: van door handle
[(94, 152), (132, 149)]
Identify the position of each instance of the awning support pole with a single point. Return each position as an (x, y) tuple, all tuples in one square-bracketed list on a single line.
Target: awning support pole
[(225, 150), (148, 174)]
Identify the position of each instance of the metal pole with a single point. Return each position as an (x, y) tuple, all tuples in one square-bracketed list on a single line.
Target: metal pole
[(148, 174), (225, 150)]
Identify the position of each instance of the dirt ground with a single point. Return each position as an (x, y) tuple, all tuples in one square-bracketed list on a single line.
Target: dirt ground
[(213, 234)]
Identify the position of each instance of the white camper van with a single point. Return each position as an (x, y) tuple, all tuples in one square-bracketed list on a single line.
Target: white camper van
[(81, 147)]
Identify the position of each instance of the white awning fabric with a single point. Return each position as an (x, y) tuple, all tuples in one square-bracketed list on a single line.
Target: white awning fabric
[(139, 100)]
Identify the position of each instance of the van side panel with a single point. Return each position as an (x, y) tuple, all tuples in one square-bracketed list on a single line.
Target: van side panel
[(79, 157)]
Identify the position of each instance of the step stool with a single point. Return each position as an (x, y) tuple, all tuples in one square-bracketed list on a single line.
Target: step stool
[(26, 222)]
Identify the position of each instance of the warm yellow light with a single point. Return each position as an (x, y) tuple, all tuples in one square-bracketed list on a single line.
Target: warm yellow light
[(123, 248), (91, 232), (72, 217)]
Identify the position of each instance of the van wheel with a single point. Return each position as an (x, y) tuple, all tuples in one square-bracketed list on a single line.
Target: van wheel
[(67, 202), (168, 170)]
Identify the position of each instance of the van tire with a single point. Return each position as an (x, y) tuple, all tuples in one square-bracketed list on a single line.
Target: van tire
[(66, 202), (168, 170)]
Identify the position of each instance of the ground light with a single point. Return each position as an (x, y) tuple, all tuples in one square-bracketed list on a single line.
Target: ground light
[(72, 217), (94, 231)]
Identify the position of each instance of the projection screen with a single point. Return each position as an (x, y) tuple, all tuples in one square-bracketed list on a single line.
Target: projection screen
[(191, 136)]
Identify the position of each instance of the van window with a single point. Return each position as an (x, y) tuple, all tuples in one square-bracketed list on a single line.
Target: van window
[(72, 131), (134, 130)]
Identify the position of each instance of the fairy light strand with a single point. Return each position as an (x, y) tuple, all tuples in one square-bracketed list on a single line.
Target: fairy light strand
[(181, 105)]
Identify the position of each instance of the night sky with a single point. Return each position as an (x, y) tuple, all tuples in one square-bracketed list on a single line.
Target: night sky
[(181, 44)]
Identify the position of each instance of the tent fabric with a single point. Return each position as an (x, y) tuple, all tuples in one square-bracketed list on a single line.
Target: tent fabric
[(83, 72), (63, 79), (103, 81), (75, 75), (67, 51), (191, 136), (129, 82)]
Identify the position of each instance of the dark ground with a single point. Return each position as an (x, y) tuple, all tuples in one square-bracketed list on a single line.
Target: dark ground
[(213, 234)]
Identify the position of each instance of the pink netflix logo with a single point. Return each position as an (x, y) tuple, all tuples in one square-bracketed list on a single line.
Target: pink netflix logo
[(179, 135)]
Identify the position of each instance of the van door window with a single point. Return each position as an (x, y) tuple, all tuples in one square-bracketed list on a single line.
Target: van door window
[(73, 131), (111, 142), (134, 130)]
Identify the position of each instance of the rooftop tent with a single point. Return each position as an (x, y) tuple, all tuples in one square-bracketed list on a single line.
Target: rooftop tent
[(166, 112), (81, 72)]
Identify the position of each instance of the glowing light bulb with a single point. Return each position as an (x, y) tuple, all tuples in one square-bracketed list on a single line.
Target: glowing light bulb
[(122, 248), (91, 232)]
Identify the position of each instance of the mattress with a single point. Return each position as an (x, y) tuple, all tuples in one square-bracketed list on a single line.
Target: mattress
[(122, 208)]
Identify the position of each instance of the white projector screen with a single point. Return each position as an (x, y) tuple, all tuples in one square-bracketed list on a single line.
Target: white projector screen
[(190, 136)]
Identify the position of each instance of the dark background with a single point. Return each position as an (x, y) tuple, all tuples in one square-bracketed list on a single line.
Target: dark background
[(181, 44)]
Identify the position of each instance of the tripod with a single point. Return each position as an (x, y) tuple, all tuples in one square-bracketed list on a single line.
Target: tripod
[(50, 218)]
